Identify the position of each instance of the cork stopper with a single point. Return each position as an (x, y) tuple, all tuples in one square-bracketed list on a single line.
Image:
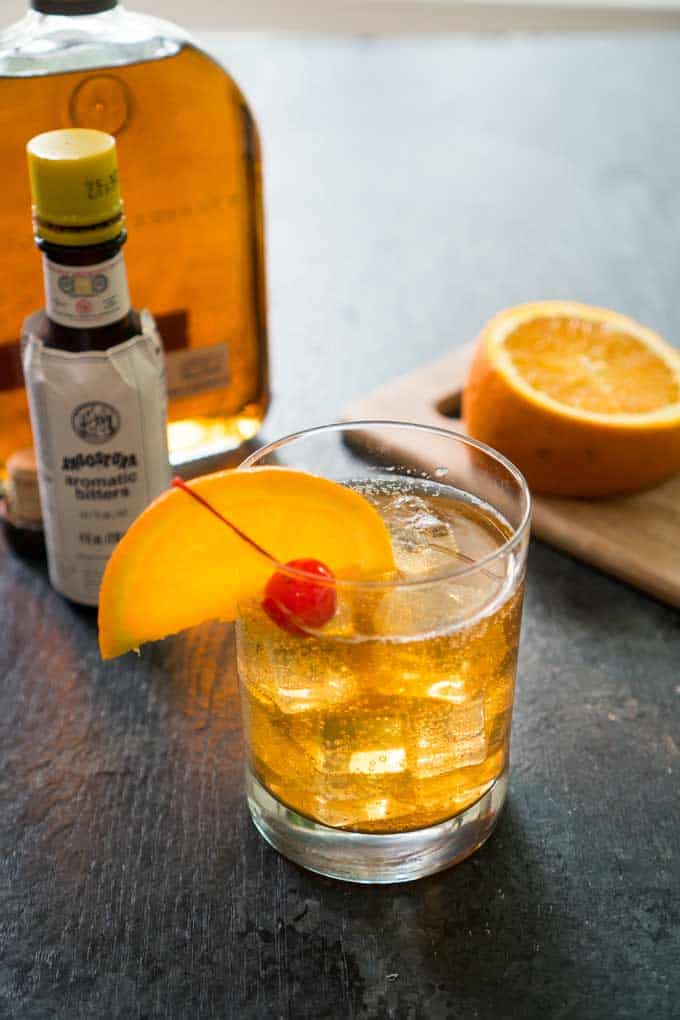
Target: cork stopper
[(22, 496)]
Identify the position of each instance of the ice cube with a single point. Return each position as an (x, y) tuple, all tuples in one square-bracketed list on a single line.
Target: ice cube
[(426, 525), (378, 761), (452, 689), (293, 694), (415, 526), (268, 741), (356, 744), (299, 684), (445, 736), (442, 606), (372, 814)]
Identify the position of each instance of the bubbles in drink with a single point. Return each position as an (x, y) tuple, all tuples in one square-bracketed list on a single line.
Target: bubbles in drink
[(396, 715)]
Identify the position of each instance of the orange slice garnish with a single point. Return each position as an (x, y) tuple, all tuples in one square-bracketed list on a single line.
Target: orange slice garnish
[(178, 565)]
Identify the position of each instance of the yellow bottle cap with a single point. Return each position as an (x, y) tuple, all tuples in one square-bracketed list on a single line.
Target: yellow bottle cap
[(74, 183)]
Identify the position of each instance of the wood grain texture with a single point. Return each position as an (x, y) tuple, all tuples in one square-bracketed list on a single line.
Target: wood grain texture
[(636, 538)]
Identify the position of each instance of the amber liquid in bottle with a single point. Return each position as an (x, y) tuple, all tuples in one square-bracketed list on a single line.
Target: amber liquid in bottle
[(193, 205)]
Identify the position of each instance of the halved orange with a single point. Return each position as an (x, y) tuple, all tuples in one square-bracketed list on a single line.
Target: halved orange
[(586, 402), (178, 565)]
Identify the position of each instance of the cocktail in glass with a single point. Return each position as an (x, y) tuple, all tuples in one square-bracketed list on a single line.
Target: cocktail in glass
[(377, 744)]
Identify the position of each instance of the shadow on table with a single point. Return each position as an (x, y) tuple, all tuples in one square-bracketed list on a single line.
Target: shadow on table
[(485, 937), (481, 937)]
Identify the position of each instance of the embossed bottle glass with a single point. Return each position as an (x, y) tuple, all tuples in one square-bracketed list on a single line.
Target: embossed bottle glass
[(193, 205), (377, 746)]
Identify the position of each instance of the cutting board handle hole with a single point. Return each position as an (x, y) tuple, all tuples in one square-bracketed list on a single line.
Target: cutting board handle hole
[(451, 406)]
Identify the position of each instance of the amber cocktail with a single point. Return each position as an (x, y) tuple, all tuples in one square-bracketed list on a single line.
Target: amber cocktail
[(378, 743)]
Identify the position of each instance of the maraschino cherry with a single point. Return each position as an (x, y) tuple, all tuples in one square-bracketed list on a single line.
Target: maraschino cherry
[(293, 603), (290, 601)]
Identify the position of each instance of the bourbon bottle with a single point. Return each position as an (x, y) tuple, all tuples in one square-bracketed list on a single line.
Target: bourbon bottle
[(93, 367), (193, 205)]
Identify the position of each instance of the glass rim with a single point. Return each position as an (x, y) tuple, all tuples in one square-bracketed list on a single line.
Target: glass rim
[(508, 545)]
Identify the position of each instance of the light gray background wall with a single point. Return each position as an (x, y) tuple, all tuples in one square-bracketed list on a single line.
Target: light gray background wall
[(390, 16)]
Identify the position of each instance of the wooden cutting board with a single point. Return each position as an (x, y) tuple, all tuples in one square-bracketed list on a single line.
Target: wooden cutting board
[(635, 538)]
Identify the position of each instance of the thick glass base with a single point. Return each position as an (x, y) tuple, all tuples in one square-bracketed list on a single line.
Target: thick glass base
[(367, 858)]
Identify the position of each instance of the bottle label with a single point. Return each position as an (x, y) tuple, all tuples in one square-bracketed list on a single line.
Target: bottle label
[(99, 425), (197, 370), (86, 296)]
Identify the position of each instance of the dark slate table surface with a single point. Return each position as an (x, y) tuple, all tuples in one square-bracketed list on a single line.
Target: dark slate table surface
[(414, 186)]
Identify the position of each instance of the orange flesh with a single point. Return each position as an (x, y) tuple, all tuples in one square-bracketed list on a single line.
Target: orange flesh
[(591, 366)]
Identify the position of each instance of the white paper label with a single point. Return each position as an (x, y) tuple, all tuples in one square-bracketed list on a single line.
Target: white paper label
[(86, 296), (99, 424)]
